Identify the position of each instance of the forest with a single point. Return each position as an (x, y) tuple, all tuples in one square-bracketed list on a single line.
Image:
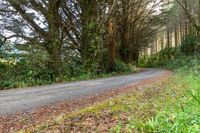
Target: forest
[(46, 42), (52, 41)]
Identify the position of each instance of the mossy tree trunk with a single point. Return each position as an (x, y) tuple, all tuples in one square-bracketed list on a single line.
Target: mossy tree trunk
[(54, 42), (111, 45), (90, 42)]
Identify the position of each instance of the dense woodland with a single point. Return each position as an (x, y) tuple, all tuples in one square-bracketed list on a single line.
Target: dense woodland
[(50, 41), (45, 41)]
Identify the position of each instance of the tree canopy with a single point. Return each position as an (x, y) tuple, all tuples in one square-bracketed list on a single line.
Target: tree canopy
[(67, 37)]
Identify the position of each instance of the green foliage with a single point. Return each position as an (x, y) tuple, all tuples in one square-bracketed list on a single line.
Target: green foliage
[(180, 113), (191, 45), (168, 107), (75, 69), (172, 57), (23, 74), (92, 49), (177, 107), (37, 63), (25, 70), (121, 67), (31, 69), (160, 59)]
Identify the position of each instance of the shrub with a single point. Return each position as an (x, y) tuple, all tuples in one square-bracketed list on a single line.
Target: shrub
[(74, 68), (191, 45), (160, 59), (121, 67)]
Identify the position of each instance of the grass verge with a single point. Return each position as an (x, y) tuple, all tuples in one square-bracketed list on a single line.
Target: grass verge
[(168, 106)]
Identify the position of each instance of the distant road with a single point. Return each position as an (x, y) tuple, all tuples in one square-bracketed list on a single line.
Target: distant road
[(13, 101)]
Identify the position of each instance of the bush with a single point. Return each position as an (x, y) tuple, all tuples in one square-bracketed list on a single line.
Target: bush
[(23, 71), (191, 45), (75, 68), (121, 67), (160, 59)]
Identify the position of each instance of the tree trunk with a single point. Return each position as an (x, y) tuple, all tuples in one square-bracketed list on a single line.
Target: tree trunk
[(162, 42), (89, 32), (152, 49), (186, 28), (124, 35), (176, 35), (124, 46), (168, 38), (136, 57), (181, 30), (111, 45), (54, 44), (198, 31), (55, 63), (156, 44)]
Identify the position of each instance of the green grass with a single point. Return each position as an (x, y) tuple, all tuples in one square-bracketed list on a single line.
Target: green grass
[(171, 106), (168, 108), (179, 109), (182, 114)]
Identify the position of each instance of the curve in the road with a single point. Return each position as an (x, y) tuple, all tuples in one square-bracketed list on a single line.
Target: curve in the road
[(19, 100)]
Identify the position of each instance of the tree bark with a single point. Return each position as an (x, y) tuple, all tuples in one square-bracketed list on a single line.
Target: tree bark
[(168, 38), (162, 42), (156, 44), (176, 35), (55, 63), (111, 45), (54, 43), (186, 28), (89, 32), (124, 47), (181, 30)]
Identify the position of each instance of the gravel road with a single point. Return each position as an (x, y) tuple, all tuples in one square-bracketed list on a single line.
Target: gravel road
[(13, 101)]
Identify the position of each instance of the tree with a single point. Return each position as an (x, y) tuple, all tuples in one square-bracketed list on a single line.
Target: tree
[(192, 11), (81, 29), (136, 27), (37, 22), (111, 44), (90, 32)]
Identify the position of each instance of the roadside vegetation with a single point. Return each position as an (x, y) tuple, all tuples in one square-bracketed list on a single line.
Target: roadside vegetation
[(180, 106), (171, 105), (42, 42), (53, 41), (25, 73)]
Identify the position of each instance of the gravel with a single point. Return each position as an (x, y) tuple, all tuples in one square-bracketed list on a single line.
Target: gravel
[(27, 99)]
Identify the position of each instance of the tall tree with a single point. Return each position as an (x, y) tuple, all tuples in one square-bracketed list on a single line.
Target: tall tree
[(192, 11), (37, 22), (137, 27), (111, 44)]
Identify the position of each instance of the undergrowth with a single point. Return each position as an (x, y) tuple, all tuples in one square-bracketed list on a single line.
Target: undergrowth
[(182, 114), (21, 75), (171, 106), (179, 110)]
